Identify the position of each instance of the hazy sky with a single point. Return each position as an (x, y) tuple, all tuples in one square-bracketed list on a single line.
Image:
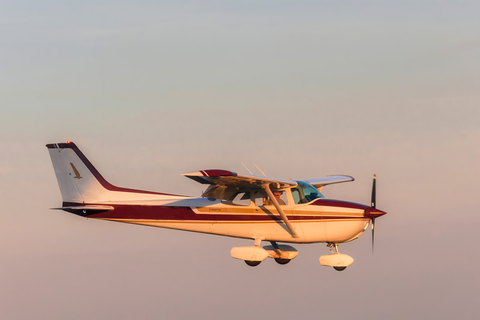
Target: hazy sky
[(151, 89)]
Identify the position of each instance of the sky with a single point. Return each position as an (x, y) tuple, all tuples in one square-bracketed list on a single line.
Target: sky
[(152, 89)]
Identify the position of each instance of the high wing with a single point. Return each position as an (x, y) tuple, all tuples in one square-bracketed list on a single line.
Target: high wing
[(224, 184), (319, 183)]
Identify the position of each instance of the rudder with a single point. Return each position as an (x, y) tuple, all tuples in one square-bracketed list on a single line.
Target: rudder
[(77, 181), (80, 182)]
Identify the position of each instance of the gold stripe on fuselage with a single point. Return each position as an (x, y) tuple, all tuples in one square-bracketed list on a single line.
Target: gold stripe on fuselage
[(142, 221), (263, 211)]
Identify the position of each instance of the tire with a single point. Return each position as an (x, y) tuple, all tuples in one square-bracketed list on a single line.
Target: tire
[(282, 261), (252, 263), (339, 268)]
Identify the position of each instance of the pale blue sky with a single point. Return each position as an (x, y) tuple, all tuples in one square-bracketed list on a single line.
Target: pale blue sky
[(152, 89)]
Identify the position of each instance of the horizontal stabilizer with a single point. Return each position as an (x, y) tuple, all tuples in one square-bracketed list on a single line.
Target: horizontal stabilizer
[(86, 210), (96, 208)]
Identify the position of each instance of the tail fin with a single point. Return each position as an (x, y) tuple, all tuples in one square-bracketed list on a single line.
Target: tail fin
[(80, 182)]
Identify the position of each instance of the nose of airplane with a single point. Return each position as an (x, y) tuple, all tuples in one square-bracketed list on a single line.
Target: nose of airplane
[(373, 213)]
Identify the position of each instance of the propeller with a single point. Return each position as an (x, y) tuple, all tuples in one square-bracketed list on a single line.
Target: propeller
[(373, 202)]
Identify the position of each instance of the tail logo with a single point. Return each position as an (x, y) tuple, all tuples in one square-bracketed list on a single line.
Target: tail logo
[(77, 174)]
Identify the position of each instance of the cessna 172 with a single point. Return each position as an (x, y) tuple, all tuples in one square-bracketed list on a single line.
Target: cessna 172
[(236, 205)]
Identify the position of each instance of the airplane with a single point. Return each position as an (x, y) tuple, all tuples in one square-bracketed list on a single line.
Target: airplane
[(248, 206)]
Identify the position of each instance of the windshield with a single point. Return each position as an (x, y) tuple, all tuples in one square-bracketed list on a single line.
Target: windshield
[(305, 192)]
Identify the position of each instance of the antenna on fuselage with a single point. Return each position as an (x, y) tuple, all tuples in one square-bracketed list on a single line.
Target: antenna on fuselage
[(260, 170), (246, 168)]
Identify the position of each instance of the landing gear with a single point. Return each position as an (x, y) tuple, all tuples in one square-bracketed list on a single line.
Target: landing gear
[(335, 245), (332, 245), (253, 255), (282, 253), (252, 263), (336, 260), (282, 261)]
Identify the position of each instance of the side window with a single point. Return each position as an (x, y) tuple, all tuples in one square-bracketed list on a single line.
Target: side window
[(239, 199), (259, 199), (279, 195), (296, 195), (305, 193)]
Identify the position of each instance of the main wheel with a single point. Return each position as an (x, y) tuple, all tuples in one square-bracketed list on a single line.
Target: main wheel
[(339, 268), (252, 263), (282, 261)]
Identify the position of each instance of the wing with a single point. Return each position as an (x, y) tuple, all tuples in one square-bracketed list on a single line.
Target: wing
[(224, 184), (321, 182)]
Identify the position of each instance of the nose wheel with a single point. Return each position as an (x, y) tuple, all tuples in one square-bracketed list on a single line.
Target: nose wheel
[(333, 245), (336, 260)]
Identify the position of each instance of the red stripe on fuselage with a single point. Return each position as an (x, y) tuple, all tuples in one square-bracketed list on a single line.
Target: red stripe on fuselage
[(369, 211), (338, 203), (141, 212)]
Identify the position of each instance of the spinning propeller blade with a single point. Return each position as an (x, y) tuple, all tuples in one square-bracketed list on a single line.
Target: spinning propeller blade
[(373, 190), (373, 202), (373, 235)]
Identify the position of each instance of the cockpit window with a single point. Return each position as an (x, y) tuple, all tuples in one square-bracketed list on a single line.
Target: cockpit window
[(305, 192), (239, 199), (279, 195)]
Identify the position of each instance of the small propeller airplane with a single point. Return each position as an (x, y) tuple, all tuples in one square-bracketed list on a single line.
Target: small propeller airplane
[(237, 205)]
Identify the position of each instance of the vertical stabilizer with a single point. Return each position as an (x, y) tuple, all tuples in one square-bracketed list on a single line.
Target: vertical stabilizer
[(80, 182), (77, 182)]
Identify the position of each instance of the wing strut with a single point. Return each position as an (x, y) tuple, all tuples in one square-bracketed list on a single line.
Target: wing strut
[(294, 234)]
